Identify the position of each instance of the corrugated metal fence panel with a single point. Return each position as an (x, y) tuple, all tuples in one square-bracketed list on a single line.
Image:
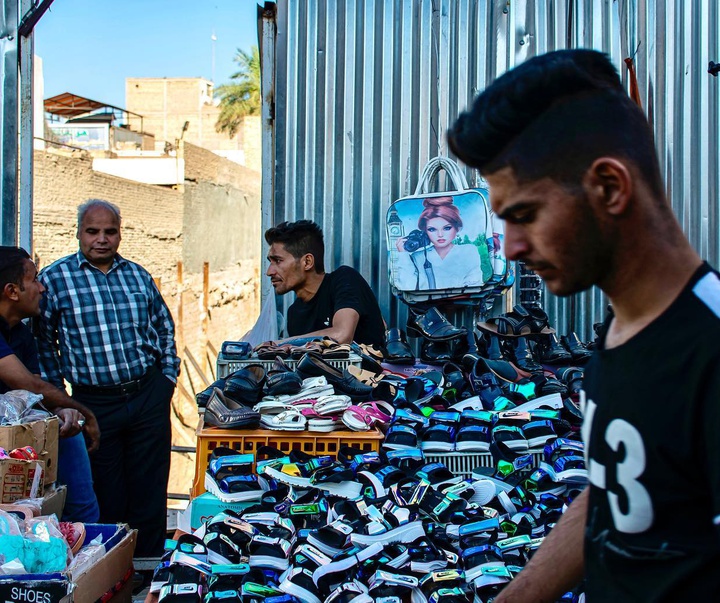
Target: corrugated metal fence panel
[(365, 91)]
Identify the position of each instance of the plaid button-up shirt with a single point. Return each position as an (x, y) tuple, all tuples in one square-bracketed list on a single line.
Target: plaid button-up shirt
[(103, 329)]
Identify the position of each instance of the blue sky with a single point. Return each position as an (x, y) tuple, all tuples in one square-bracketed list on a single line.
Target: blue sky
[(89, 47)]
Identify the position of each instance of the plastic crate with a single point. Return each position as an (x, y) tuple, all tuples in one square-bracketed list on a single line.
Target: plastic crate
[(225, 367), (463, 463), (248, 441)]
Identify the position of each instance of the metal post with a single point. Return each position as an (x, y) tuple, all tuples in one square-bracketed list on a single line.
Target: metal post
[(267, 85), (8, 122), (27, 131)]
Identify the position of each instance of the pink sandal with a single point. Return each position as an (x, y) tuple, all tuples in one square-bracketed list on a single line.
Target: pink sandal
[(366, 415)]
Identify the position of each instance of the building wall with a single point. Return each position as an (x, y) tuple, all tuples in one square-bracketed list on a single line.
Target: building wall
[(152, 215), (162, 226), (167, 103)]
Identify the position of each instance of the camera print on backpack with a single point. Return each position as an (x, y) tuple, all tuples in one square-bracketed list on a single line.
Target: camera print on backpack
[(638, 514)]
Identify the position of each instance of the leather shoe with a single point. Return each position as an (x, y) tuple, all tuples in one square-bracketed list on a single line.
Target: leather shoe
[(576, 348), (281, 379), (551, 351), (246, 385), (202, 397), (524, 357), (436, 351), (397, 349), (433, 326), (224, 412), (313, 365)]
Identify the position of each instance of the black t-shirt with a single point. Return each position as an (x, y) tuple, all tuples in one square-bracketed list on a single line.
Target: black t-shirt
[(342, 288), (18, 341), (653, 419)]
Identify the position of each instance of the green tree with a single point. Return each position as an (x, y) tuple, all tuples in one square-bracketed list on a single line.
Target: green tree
[(241, 97)]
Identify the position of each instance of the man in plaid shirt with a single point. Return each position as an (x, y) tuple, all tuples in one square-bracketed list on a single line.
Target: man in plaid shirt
[(105, 329)]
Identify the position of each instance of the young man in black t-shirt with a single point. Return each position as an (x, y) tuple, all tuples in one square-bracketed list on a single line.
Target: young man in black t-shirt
[(572, 170), (338, 304)]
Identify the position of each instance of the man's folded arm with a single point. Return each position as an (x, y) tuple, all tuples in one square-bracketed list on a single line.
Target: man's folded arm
[(15, 376)]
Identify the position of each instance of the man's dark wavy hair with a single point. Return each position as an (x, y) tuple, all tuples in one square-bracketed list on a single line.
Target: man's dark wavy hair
[(299, 238), (552, 116), (12, 266)]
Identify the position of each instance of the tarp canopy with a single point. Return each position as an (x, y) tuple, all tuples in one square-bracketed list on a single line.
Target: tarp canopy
[(70, 105)]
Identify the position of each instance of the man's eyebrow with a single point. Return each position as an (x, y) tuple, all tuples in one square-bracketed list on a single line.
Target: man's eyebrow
[(513, 209)]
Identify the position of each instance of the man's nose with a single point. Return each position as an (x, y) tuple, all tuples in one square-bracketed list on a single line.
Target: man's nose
[(515, 243), (270, 270), (41, 288)]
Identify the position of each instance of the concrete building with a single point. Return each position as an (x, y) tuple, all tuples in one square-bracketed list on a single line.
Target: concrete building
[(167, 103)]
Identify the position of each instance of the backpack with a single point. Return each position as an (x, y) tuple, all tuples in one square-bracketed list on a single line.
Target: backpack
[(458, 251)]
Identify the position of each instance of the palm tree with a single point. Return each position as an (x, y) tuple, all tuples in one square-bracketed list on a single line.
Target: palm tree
[(242, 96)]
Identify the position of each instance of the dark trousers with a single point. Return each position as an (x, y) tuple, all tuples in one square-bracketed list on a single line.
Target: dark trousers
[(132, 465)]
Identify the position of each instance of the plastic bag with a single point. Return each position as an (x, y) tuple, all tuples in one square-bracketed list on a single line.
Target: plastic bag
[(46, 549), (266, 326), (87, 556), (14, 403)]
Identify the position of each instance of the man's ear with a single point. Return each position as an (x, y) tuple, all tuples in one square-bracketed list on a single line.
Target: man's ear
[(609, 182), (10, 290), (308, 262)]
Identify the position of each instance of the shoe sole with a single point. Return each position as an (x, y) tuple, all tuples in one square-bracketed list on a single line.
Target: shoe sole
[(343, 489), (345, 564), (282, 427), (554, 401), (405, 533), (268, 562), (475, 572), (230, 424), (437, 446), (472, 446), (212, 487), (322, 427), (425, 567), (290, 588), (539, 441)]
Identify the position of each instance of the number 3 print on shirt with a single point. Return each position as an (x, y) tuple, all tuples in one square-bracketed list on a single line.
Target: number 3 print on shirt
[(639, 514)]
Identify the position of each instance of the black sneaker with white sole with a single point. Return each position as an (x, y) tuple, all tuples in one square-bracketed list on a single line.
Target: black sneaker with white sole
[(539, 433), (473, 438), (332, 538), (298, 582), (267, 552), (350, 592)]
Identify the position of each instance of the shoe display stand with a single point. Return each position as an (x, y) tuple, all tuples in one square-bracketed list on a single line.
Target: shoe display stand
[(226, 367), (248, 441)]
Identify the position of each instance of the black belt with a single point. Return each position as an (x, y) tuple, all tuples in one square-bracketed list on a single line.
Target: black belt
[(122, 389)]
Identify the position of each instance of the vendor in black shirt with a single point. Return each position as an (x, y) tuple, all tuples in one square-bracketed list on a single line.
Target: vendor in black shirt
[(338, 304)]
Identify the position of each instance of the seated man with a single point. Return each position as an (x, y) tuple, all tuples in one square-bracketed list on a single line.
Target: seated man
[(20, 294), (339, 304)]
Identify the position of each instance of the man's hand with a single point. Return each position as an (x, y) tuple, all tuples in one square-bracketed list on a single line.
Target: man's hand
[(71, 421), (92, 432)]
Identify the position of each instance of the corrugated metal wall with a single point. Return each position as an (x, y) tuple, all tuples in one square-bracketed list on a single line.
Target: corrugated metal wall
[(365, 90)]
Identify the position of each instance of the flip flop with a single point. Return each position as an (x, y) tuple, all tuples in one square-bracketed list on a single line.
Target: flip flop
[(332, 404), (364, 417), (288, 420)]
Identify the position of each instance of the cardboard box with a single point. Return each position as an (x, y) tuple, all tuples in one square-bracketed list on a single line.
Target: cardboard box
[(42, 435), (86, 587), (202, 508), (20, 479), (54, 500)]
